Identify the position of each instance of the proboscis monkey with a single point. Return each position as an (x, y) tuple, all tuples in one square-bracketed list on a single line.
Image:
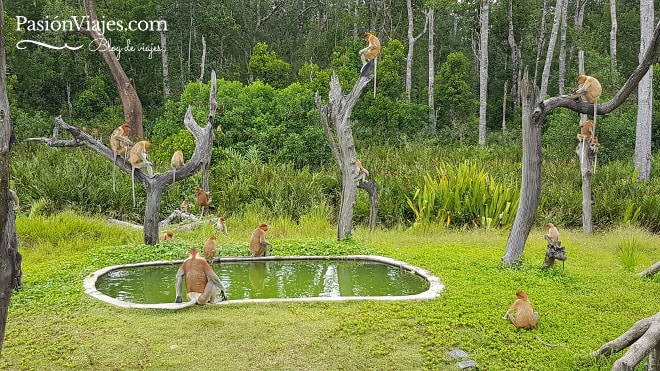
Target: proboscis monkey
[(119, 143), (138, 158), (362, 173), (202, 200), (185, 204), (258, 243), (165, 236), (201, 280), (553, 233), (210, 248), (370, 52), (586, 134), (14, 199), (588, 90), (176, 162), (95, 133), (521, 313), (221, 225)]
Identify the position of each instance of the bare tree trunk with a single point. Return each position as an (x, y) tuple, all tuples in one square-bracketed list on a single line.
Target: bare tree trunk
[(530, 190), (613, 32), (643, 154), (559, 5), (201, 66), (411, 46), (127, 94), (585, 156), (10, 259), (643, 339), (516, 59), (432, 117), (483, 70), (541, 42), (562, 48), (340, 137), (506, 87), (163, 56)]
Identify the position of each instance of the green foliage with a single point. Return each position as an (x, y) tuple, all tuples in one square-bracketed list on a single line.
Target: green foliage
[(456, 102), (629, 254), (463, 195), (90, 102), (265, 66), (74, 331)]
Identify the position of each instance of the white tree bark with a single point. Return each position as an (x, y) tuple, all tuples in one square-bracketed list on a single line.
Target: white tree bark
[(643, 154), (433, 122), (516, 59), (541, 40), (562, 48), (551, 49), (613, 32), (483, 70), (411, 46)]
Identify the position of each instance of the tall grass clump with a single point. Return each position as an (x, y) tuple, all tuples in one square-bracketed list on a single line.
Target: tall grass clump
[(629, 254), (463, 195)]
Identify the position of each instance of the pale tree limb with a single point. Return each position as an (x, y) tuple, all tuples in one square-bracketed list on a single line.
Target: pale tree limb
[(642, 338), (650, 270)]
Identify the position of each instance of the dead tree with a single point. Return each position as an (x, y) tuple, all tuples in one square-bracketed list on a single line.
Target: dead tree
[(534, 116), (643, 338), (155, 185), (10, 259), (338, 110)]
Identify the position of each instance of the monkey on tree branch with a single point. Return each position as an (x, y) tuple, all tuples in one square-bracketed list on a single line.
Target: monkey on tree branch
[(154, 185)]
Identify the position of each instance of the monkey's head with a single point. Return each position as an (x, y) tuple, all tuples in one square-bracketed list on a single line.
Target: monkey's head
[(194, 254), (212, 238), (147, 145), (222, 219), (198, 190), (263, 226), (367, 35), (218, 128), (126, 128), (549, 225), (582, 79), (521, 295), (169, 234)]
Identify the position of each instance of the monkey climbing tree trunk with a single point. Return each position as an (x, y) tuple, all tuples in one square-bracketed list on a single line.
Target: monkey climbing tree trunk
[(533, 118), (10, 259), (340, 137), (156, 184), (127, 94)]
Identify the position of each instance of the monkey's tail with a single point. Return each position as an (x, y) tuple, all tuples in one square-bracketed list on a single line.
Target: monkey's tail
[(375, 74), (547, 344)]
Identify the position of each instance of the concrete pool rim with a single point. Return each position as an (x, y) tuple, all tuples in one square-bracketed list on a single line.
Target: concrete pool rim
[(434, 290)]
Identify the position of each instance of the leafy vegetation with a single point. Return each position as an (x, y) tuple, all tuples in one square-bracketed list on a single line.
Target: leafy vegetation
[(54, 325)]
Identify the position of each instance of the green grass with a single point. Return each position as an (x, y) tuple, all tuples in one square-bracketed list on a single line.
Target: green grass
[(53, 325)]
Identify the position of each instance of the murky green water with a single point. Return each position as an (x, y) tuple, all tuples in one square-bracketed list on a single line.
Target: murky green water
[(269, 279)]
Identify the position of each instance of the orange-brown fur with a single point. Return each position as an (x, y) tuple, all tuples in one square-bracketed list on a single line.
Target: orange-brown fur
[(258, 242), (553, 233), (372, 51), (521, 313), (210, 248), (165, 236), (201, 280)]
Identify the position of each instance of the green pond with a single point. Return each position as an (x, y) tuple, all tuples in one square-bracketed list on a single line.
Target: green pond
[(268, 280)]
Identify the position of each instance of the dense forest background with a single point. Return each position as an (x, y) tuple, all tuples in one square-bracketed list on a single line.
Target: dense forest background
[(272, 56)]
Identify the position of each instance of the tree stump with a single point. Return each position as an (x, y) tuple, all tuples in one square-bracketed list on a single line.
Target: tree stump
[(554, 252)]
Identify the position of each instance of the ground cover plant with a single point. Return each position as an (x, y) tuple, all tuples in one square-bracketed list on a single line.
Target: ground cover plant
[(53, 325)]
